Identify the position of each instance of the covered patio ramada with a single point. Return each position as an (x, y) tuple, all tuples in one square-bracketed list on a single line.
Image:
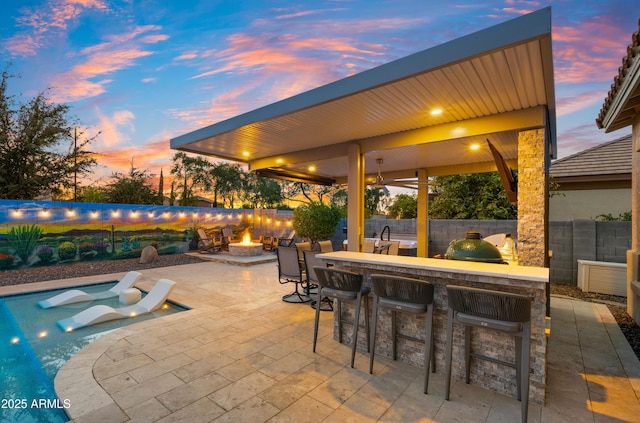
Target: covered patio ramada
[(495, 86), (495, 93)]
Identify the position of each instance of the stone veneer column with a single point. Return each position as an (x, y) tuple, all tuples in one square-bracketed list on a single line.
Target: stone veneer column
[(633, 255), (532, 198)]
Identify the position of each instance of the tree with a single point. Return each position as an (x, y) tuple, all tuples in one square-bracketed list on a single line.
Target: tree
[(404, 206), (315, 221), (474, 196), (227, 182), (134, 188), (193, 172), (92, 194), (160, 198), (32, 147), (373, 198), (260, 191)]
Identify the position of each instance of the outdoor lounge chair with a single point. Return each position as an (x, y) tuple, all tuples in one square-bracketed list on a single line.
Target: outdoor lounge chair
[(78, 296), (103, 313), (208, 244), (287, 240)]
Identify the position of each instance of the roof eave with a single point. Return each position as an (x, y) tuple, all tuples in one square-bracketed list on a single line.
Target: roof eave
[(536, 25)]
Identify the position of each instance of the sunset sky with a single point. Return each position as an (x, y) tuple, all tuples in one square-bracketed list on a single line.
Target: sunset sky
[(142, 72)]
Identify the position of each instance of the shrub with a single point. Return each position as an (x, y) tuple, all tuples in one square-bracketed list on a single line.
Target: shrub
[(101, 247), (45, 253), (87, 251), (6, 260), (67, 251), (86, 247), (24, 240), (315, 221)]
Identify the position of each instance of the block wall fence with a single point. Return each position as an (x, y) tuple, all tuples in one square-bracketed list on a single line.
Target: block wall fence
[(569, 241)]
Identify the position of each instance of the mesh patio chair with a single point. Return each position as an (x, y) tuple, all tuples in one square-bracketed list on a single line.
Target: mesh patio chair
[(500, 311), (325, 246), (342, 286), (289, 271), (310, 261), (409, 295), (301, 247)]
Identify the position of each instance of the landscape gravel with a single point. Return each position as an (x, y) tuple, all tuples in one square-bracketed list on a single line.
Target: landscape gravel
[(617, 305)]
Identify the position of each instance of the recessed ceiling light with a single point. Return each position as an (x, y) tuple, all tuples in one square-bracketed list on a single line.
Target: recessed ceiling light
[(474, 147), (245, 153), (312, 168), (436, 112)]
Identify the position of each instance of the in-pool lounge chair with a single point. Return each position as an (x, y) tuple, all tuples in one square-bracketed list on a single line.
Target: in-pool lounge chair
[(78, 296), (103, 313)]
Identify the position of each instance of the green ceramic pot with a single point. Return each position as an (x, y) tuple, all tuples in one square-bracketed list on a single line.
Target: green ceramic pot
[(473, 248)]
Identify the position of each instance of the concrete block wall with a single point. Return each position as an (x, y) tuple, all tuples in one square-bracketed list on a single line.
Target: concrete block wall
[(569, 241)]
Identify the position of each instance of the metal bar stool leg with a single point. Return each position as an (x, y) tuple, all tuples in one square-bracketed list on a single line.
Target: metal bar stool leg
[(428, 348), (315, 326), (374, 326), (448, 353), (366, 321), (354, 336)]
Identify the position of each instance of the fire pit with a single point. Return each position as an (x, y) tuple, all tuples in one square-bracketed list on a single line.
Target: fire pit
[(246, 248)]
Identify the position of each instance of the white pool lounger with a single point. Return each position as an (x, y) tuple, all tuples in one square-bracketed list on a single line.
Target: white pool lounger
[(78, 296), (102, 313)]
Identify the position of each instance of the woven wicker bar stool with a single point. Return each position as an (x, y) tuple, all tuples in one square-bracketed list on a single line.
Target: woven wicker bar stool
[(407, 295), (500, 311), (343, 286)]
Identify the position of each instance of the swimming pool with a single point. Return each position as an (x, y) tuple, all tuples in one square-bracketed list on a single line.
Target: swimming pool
[(34, 348)]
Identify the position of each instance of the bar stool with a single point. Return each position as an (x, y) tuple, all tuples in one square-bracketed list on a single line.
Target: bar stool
[(409, 295), (342, 286), (500, 311)]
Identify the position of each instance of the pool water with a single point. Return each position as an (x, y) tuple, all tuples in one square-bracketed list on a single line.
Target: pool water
[(33, 349)]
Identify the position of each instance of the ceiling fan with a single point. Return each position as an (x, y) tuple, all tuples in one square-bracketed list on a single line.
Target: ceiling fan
[(412, 183)]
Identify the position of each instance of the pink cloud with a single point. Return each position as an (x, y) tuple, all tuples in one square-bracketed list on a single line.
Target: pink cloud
[(87, 79), (46, 24), (589, 52), (568, 105), (114, 129)]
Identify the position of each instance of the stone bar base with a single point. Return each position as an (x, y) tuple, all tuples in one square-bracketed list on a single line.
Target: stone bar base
[(530, 281)]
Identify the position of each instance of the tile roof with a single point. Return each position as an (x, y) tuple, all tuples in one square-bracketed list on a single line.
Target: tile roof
[(609, 158), (633, 50)]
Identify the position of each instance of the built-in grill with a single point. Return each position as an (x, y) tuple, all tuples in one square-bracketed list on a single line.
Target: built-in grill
[(473, 248)]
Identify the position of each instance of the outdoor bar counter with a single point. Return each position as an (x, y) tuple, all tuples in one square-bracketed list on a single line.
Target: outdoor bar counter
[(530, 281)]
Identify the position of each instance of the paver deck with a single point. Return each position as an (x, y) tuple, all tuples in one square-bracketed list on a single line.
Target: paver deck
[(243, 355)]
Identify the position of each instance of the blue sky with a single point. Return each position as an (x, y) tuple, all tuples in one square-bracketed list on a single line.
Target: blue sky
[(142, 72)]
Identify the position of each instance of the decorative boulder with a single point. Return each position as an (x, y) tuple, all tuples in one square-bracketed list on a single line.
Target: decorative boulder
[(149, 254)]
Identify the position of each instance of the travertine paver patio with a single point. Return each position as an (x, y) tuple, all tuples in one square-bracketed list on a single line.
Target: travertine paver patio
[(241, 354)]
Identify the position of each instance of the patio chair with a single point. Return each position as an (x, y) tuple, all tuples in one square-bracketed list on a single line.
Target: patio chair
[(208, 244), (77, 296), (396, 293), (302, 247), (229, 236), (269, 242), (290, 271), (369, 246), (325, 246), (496, 310), (342, 285), (103, 313), (287, 240), (310, 262)]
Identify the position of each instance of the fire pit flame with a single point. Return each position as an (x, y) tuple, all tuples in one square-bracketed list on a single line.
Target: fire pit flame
[(245, 247)]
